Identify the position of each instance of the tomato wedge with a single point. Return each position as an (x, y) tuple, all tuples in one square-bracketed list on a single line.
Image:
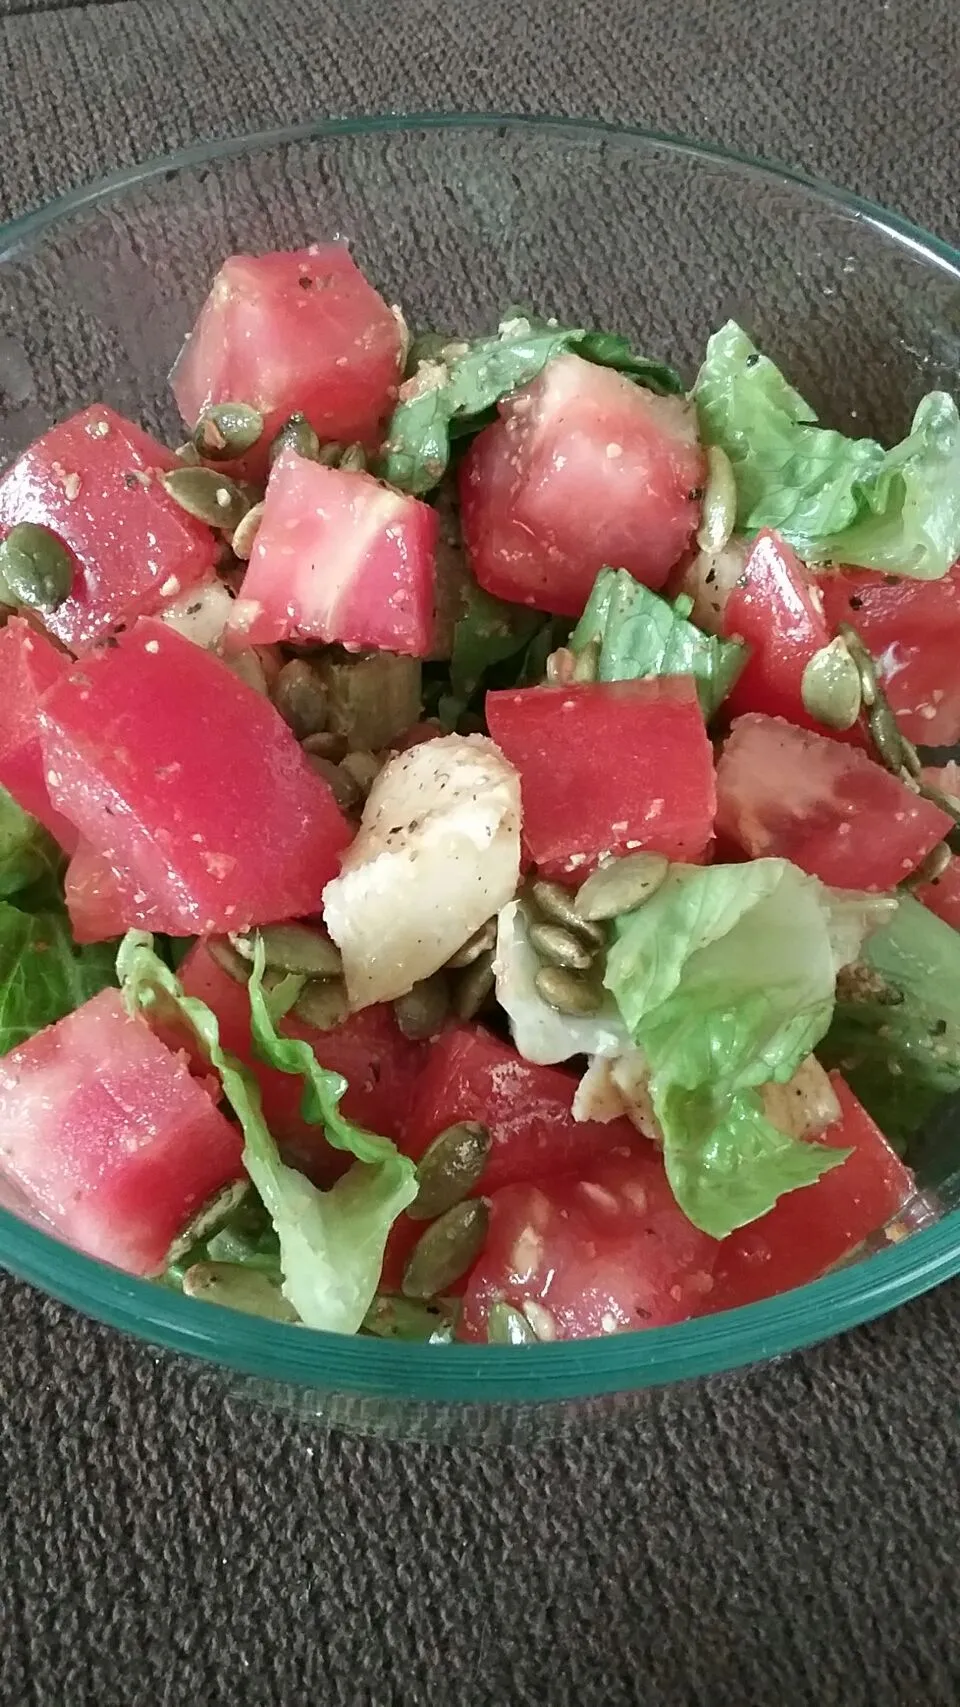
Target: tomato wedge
[(913, 630)]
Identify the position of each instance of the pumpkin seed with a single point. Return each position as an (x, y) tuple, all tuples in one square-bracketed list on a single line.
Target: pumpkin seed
[(296, 434), (223, 952), (207, 496), (301, 698), (621, 885), (246, 530), (719, 513), (560, 947), (886, 735), (449, 1168), (933, 867), (247, 667), (474, 986), (869, 685), (373, 699), (557, 904), (322, 1003), (210, 1217), (325, 745), (420, 1012), (36, 568), (330, 454), (567, 992), (354, 459), (364, 767), (188, 453), (393, 1318), (475, 945), (227, 430), (239, 1288), (560, 666), (292, 948), (507, 1326), (586, 662), (946, 802), (444, 1252), (831, 686), (342, 786)]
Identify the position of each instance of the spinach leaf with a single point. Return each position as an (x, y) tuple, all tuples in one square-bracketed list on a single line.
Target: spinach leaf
[(29, 856), (44, 974)]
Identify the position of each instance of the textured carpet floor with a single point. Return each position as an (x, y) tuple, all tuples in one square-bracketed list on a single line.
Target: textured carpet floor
[(789, 1537)]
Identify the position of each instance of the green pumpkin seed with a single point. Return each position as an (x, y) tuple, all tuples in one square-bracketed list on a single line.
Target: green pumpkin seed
[(35, 567), (364, 767), (223, 952), (449, 1168), (474, 986), (586, 663), (227, 430), (621, 885), (869, 685), (325, 745), (246, 531), (188, 453), (209, 1218), (342, 786), (296, 434), (354, 459), (293, 948), (560, 666), (719, 513), (946, 802), (247, 667), (322, 1003), (301, 698), (831, 686), (421, 1011), (239, 1288), (566, 992), (373, 699), (329, 454), (507, 1326), (559, 947), (446, 1250), (886, 736), (558, 905), (391, 1317), (482, 940), (207, 496), (933, 867)]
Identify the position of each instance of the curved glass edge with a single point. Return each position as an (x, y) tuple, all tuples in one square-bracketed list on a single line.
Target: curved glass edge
[(460, 1374)]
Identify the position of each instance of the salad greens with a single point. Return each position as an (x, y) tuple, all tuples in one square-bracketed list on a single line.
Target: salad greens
[(642, 634), (45, 973), (829, 495), (29, 856)]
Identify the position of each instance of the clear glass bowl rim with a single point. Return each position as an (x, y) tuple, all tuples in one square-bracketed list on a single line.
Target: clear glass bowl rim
[(456, 1374)]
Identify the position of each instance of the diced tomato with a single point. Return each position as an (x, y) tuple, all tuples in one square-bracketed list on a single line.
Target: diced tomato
[(92, 481), (584, 469), (30, 664), (189, 784), (811, 1229), (608, 767), (293, 332), (791, 794), (942, 896), (775, 610), (101, 904), (913, 630), (593, 1255), (108, 1136), (338, 557)]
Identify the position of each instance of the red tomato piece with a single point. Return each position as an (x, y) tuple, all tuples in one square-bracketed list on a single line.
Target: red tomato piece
[(107, 1135), (30, 664), (913, 630), (593, 1255), (809, 1230), (776, 611), (791, 794), (293, 332), (101, 904), (189, 784), (942, 896), (608, 767), (338, 557), (583, 469), (92, 481)]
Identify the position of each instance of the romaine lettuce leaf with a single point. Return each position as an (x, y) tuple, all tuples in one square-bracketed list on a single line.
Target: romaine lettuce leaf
[(44, 974), (28, 853), (829, 495), (642, 635)]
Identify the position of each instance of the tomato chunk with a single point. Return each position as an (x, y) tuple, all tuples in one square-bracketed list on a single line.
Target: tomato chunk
[(190, 785), (92, 481), (775, 610), (608, 767), (338, 557), (942, 896), (794, 795), (105, 1133), (103, 904), (593, 1255), (30, 664), (809, 1230), (296, 331), (913, 630), (584, 469)]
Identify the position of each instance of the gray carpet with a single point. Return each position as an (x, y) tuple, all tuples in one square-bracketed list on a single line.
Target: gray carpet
[(790, 1536)]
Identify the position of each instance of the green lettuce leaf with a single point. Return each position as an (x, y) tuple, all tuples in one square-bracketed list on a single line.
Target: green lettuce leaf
[(29, 856), (642, 635), (489, 632), (44, 974), (829, 495), (331, 1243)]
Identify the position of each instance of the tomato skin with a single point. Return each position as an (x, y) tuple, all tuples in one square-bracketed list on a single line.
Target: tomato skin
[(189, 784), (583, 469), (810, 1229), (133, 547), (106, 1133), (791, 794), (29, 664), (293, 332), (775, 610), (913, 630), (608, 767), (601, 1254), (339, 558)]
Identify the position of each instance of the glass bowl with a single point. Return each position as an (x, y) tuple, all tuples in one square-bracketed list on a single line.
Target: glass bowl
[(456, 217)]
